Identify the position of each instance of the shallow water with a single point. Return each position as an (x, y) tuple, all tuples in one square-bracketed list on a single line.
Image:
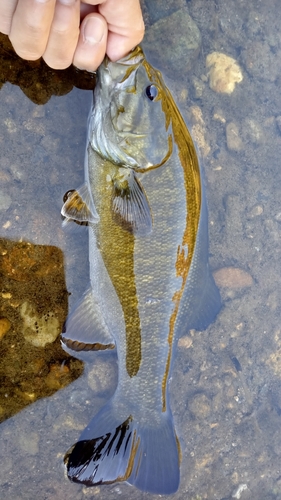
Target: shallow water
[(225, 388)]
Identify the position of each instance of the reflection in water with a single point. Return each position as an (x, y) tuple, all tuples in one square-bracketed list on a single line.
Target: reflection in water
[(36, 79), (33, 307)]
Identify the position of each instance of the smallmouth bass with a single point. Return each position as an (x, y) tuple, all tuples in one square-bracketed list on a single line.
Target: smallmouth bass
[(150, 282)]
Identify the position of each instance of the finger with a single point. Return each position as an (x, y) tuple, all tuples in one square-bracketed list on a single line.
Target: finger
[(92, 41), (63, 36), (125, 26), (7, 9), (31, 26)]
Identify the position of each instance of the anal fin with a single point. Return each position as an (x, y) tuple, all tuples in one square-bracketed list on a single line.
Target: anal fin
[(85, 328)]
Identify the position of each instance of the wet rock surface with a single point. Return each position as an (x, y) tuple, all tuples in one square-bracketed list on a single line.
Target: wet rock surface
[(33, 307)]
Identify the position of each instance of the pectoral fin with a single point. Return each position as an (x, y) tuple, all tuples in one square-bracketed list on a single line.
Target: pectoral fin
[(85, 328), (129, 203), (79, 206)]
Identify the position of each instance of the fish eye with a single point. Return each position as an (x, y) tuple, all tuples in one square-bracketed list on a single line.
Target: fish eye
[(151, 92)]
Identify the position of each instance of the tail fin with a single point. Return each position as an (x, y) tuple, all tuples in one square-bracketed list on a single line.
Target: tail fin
[(112, 449)]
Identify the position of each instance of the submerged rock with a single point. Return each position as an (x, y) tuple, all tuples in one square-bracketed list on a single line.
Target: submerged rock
[(233, 139), (33, 308), (39, 330), (159, 9), (232, 277), (5, 326), (5, 200), (224, 72), (187, 41)]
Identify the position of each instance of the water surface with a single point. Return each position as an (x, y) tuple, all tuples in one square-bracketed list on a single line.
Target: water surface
[(225, 389)]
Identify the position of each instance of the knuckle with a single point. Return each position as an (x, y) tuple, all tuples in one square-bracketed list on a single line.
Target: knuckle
[(61, 31)]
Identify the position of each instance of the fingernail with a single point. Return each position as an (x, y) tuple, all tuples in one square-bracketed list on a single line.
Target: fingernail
[(67, 2), (93, 30)]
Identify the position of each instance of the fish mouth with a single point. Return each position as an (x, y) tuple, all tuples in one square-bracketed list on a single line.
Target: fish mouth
[(134, 57), (106, 61)]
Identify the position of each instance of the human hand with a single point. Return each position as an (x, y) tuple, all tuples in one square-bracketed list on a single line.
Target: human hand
[(70, 31)]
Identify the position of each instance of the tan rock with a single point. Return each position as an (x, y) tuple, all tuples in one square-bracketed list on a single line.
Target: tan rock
[(198, 131), (233, 139), (39, 330), (102, 376), (232, 277), (224, 72), (5, 326), (200, 406), (185, 342)]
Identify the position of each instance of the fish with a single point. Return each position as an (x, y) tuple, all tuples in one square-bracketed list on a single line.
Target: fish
[(150, 283)]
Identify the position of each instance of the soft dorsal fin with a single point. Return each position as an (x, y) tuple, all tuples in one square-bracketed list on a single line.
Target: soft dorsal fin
[(129, 203), (79, 205), (85, 328)]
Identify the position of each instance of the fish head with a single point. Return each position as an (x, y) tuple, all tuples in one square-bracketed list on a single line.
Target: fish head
[(130, 123)]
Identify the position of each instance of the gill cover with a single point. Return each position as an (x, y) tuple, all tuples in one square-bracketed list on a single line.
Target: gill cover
[(128, 124)]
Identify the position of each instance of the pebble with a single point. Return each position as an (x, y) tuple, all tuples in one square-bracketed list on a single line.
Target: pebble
[(5, 200), (237, 492), (233, 139), (91, 492), (198, 131), (224, 72), (38, 330), (78, 398), (57, 376), (198, 86), (252, 131), (185, 342), (256, 211), (232, 277), (11, 125), (102, 376), (274, 360), (17, 172), (260, 61), (5, 326), (219, 116), (159, 9), (200, 406)]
